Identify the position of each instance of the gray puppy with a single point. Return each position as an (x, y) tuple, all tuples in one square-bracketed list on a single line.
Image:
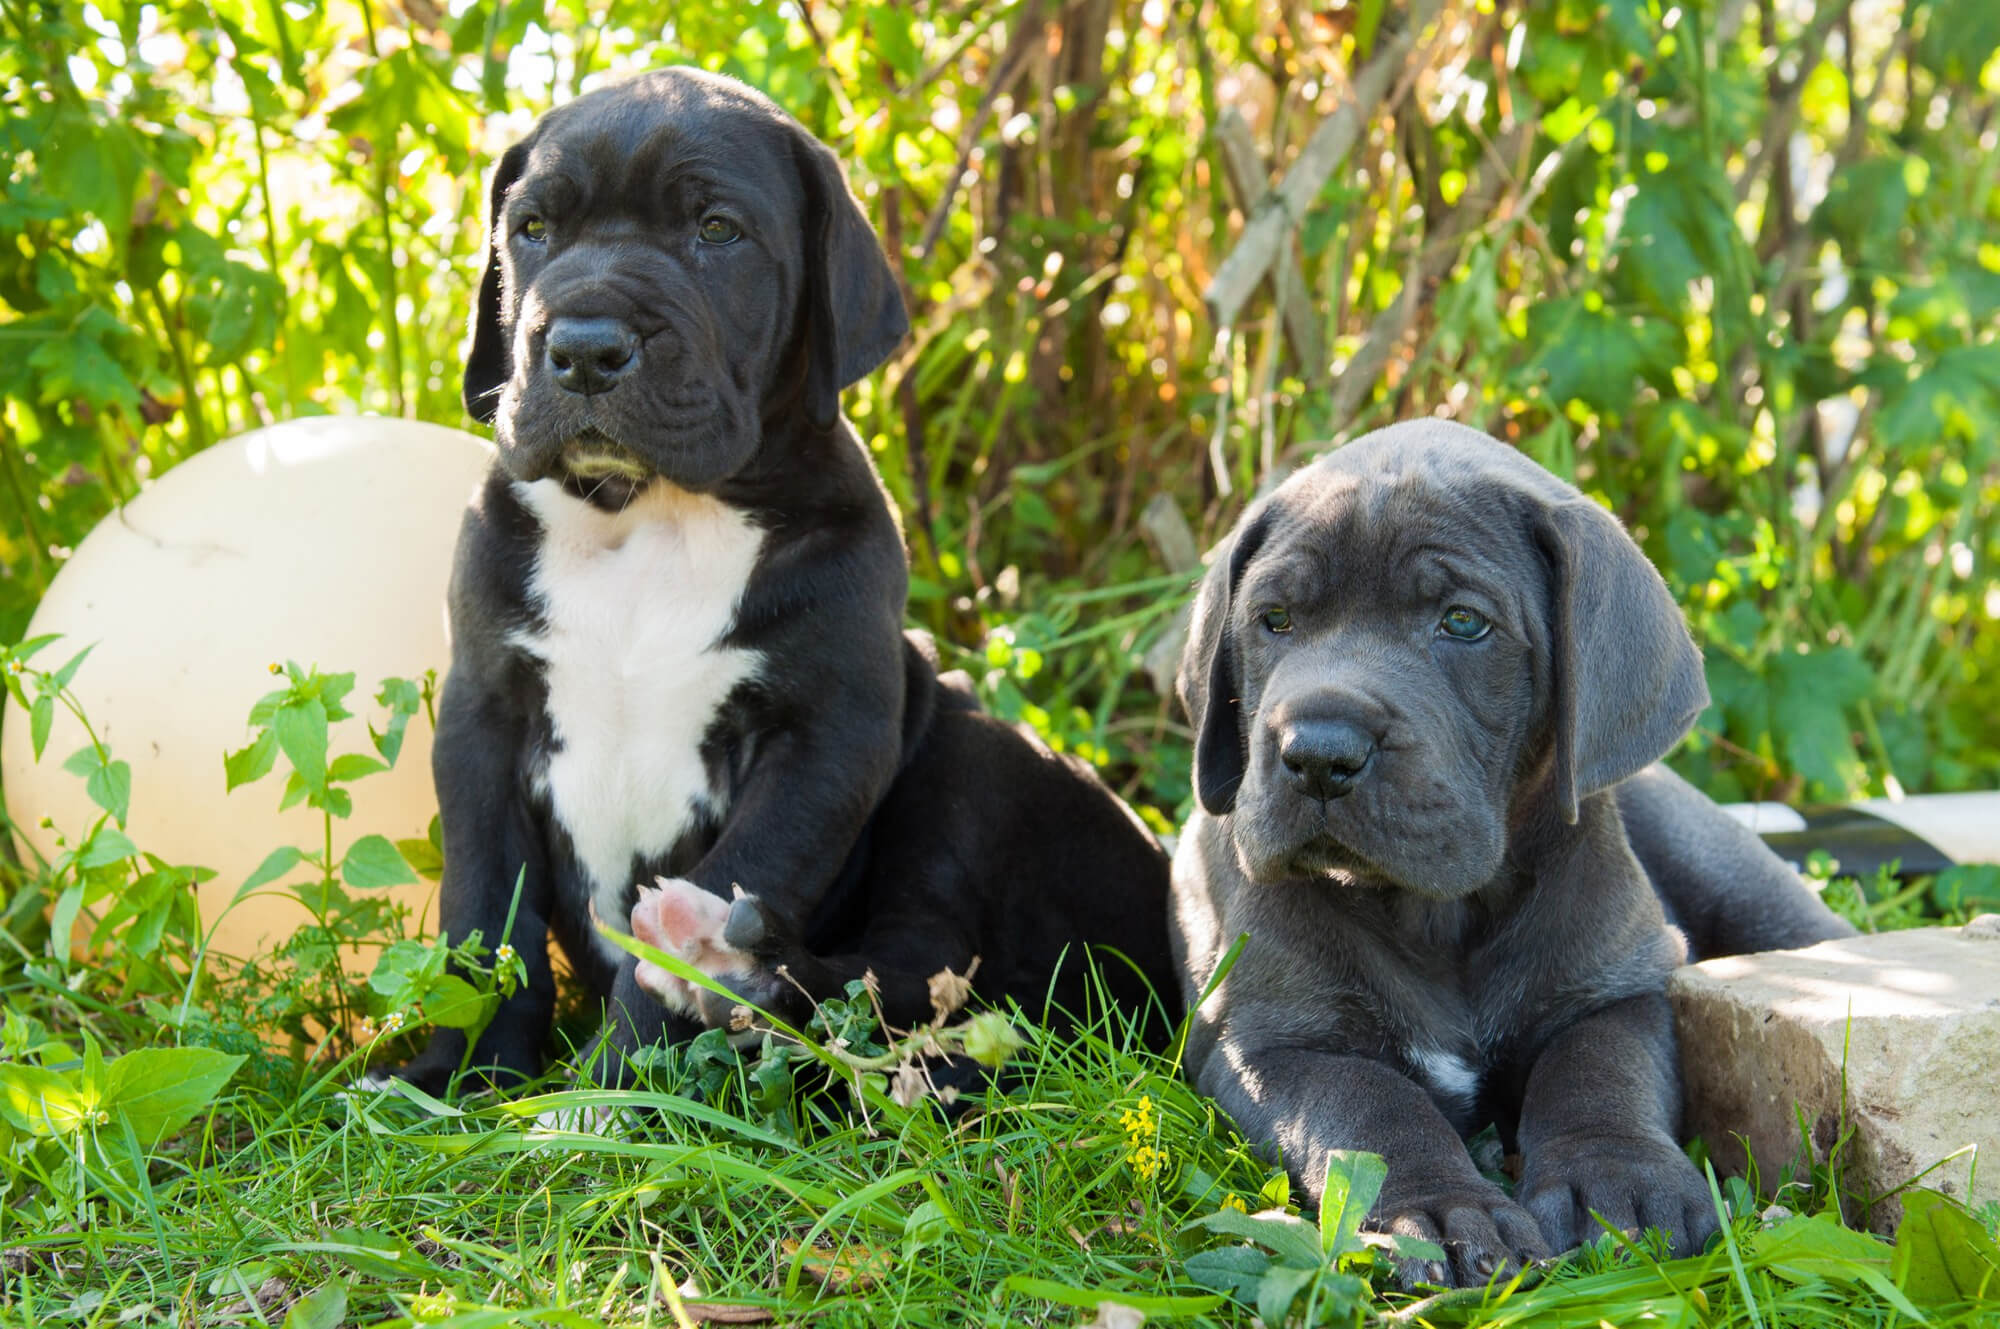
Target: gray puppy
[(1424, 674)]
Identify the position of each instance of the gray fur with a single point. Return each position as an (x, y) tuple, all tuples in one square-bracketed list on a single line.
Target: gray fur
[(1460, 932)]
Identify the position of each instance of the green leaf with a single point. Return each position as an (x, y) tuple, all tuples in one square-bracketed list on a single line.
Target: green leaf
[(233, 307), (1676, 229), (1943, 1255), (1293, 1240), (456, 1004), (928, 1224), (893, 28), (94, 165), (1597, 356), (1867, 202), (77, 363), (62, 918), (1810, 694), (402, 697), (42, 1102), (110, 787), (1367, 26), (244, 765), (331, 689), (1278, 1289), (25, 649), (104, 846), (372, 861), (275, 865), (62, 676), (371, 1252), (1959, 38), (41, 717), (1353, 1180), (352, 766), (161, 1090), (1807, 1250), (1973, 887), (323, 1308), (423, 857), (1805, 1247), (395, 965), (1062, 1294), (1237, 1270), (301, 731)]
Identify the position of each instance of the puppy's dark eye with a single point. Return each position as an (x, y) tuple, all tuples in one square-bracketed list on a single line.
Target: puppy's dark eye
[(1462, 624), (719, 231), (1277, 619), (535, 230)]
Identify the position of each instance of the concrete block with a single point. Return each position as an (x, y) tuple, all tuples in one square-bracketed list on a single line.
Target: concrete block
[(1894, 1038)]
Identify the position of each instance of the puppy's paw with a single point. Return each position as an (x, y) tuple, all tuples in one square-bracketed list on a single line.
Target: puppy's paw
[(1632, 1182), (1484, 1234), (724, 939)]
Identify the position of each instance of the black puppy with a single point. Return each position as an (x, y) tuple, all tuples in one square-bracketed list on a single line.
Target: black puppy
[(676, 617), (1422, 672)]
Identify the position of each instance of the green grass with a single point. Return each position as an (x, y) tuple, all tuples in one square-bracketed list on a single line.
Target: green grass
[(791, 1201), (176, 1145)]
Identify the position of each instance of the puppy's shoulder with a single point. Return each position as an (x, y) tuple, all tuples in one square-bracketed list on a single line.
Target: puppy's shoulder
[(489, 595)]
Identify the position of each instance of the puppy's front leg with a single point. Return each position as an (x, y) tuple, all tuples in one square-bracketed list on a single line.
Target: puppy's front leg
[(1597, 1131), (490, 844), (1312, 1103), (790, 827)]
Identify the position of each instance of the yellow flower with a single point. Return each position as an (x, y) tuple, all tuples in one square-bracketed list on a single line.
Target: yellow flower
[(1141, 1130), (1138, 1121), (1235, 1201)]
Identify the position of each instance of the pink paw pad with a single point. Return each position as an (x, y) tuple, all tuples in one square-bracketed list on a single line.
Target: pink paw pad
[(685, 921)]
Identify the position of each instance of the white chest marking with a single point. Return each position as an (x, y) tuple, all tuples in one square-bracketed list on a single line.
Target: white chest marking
[(634, 607), (1447, 1075)]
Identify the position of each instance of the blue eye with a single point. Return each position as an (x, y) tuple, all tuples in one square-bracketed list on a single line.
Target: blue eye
[(1277, 619), (1462, 624)]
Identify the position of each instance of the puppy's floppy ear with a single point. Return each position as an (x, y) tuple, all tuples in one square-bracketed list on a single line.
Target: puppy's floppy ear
[(854, 312), (488, 365), (1209, 682), (1628, 680)]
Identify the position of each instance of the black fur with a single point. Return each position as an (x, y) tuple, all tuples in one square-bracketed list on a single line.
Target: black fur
[(885, 823)]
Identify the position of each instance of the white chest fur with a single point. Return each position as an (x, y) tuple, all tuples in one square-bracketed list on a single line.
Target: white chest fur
[(634, 606)]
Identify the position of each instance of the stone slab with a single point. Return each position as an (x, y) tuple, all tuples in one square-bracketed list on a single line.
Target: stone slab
[(1892, 1040)]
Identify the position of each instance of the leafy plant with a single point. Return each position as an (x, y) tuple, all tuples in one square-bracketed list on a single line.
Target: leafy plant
[(74, 1128), (1286, 1262), (137, 901)]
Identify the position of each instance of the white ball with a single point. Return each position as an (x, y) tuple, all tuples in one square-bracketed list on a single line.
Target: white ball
[(327, 541)]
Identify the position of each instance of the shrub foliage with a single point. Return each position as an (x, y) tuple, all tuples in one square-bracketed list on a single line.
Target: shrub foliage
[(1733, 267)]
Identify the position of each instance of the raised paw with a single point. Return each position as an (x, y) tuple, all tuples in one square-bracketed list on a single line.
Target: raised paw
[(1483, 1234), (1631, 1182), (723, 939)]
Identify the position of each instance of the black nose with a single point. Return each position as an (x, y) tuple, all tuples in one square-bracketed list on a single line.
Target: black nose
[(1326, 758), (588, 355)]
